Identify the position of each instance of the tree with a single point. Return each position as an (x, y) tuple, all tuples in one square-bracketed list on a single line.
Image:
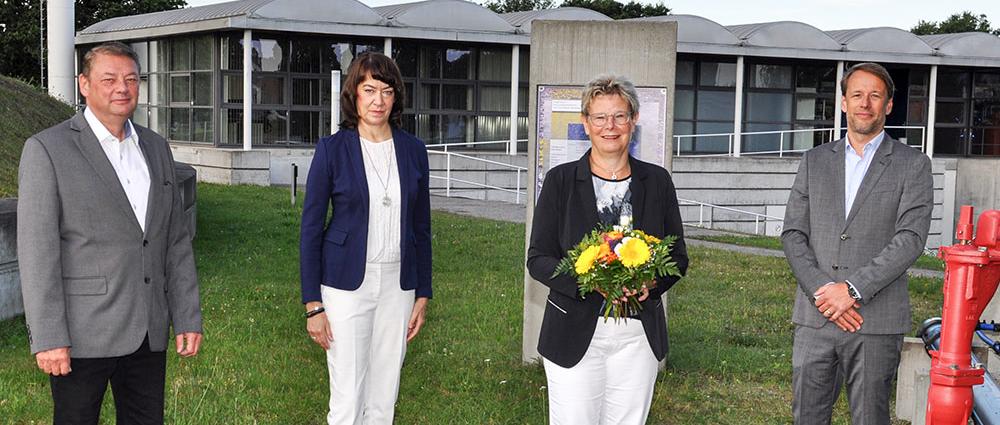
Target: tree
[(616, 10), (959, 22), (508, 6), (19, 28)]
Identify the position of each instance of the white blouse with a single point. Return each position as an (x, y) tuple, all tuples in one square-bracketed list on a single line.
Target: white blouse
[(384, 198)]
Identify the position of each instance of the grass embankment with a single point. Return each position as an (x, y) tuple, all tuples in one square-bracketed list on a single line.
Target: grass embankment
[(24, 111), (926, 262), (729, 321)]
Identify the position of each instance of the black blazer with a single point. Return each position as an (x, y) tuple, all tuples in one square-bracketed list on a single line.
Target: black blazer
[(566, 210)]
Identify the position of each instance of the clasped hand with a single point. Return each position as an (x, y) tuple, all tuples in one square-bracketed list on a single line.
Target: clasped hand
[(834, 302)]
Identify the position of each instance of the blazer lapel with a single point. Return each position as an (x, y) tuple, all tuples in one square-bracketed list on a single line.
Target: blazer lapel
[(357, 163), (157, 176), (585, 189), (405, 171), (879, 163), (837, 150), (638, 189), (88, 144)]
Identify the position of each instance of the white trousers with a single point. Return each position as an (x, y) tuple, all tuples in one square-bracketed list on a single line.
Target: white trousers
[(369, 344), (612, 385)]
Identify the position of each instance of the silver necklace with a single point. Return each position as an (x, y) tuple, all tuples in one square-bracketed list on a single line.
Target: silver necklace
[(614, 173), (386, 200)]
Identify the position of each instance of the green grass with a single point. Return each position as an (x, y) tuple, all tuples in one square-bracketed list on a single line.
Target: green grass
[(926, 262), (730, 333), (24, 111)]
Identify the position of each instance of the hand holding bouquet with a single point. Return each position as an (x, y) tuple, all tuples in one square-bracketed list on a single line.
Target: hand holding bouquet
[(616, 262)]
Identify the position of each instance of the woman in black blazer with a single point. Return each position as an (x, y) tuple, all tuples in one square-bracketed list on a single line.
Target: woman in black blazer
[(602, 372)]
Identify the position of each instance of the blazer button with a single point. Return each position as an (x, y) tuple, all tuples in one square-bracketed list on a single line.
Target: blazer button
[(843, 237), (145, 242), (146, 279), (836, 267)]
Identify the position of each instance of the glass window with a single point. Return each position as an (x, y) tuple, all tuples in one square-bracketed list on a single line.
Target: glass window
[(429, 128), (814, 109), (152, 54), (408, 96), (716, 105), (807, 139), (141, 50), (305, 127), (306, 55), (430, 62), (986, 113), (918, 82), (717, 74), (769, 107), (684, 105), (163, 50), (916, 111), (201, 125), (685, 73), (524, 67), (268, 90), (232, 53), (456, 129), (770, 76), (953, 84), (307, 92), (493, 127), (430, 96), (268, 55), (140, 116), (203, 92), (232, 88), (180, 54), (457, 97), (180, 124), (494, 99), (457, 64), (180, 88), (406, 58), (950, 113), (339, 58), (986, 141), (949, 140), (816, 79), (144, 89), (770, 142), (987, 84), (203, 52), (158, 88), (494, 64), (158, 118), (712, 144)]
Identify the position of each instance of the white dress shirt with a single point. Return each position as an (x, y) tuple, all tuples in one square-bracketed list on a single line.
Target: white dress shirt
[(129, 164), (855, 168), (384, 196)]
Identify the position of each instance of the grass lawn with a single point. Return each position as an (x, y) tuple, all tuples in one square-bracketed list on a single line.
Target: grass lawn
[(729, 321), (927, 262)]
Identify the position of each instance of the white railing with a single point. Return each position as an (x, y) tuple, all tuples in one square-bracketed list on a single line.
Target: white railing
[(710, 221), (446, 146), (518, 193), (830, 136)]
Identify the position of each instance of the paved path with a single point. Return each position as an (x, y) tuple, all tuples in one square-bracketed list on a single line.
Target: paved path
[(504, 211)]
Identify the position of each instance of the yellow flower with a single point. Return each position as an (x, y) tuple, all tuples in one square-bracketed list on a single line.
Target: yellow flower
[(651, 239), (633, 252), (586, 260)]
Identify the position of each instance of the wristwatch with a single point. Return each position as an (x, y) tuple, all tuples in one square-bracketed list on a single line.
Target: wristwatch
[(853, 292)]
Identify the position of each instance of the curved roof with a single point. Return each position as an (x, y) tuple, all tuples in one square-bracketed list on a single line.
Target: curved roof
[(974, 44), (695, 29), (522, 20), (444, 14), (881, 39), (784, 34), (339, 11)]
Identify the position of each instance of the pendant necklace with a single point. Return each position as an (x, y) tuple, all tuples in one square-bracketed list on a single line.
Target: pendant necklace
[(386, 200), (614, 173)]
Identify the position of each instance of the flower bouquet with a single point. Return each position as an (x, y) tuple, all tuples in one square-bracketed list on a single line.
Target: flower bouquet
[(611, 260)]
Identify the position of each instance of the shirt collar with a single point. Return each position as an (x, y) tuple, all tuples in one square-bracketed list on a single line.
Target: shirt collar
[(871, 146), (102, 132)]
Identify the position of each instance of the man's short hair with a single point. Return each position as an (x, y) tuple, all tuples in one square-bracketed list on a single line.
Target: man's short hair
[(111, 48), (610, 85), (871, 68)]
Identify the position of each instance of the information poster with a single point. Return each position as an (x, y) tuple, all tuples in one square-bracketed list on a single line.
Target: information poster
[(561, 137)]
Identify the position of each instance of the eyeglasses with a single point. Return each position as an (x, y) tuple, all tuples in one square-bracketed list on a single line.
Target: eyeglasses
[(601, 120)]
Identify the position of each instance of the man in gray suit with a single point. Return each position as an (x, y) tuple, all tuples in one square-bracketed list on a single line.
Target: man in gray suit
[(857, 218), (104, 252)]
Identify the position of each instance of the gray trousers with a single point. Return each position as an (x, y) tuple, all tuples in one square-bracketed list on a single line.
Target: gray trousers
[(823, 359)]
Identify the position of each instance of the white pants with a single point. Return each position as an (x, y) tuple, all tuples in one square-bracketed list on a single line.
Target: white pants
[(612, 385), (369, 343)]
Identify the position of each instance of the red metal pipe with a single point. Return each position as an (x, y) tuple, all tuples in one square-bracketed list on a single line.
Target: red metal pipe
[(972, 272)]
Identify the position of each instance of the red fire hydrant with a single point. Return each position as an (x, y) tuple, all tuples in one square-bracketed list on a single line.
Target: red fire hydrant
[(972, 272)]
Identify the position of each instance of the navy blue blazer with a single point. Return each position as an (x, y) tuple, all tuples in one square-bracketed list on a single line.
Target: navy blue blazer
[(334, 253)]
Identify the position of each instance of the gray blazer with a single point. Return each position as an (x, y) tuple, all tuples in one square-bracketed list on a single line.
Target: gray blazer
[(90, 278), (882, 236)]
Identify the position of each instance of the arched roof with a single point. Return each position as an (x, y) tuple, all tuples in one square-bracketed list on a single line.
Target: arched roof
[(881, 39), (339, 11), (695, 29), (522, 20), (444, 14), (973, 44), (785, 34)]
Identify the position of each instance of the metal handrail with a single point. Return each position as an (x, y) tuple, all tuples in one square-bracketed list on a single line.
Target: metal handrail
[(711, 214), (465, 144), (449, 179), (781, 141)]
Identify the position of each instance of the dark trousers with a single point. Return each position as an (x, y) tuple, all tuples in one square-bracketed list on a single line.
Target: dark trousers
[(136, 380)]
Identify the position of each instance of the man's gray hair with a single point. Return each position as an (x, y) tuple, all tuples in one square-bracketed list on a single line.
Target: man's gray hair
[(871, 68), (610, 85), (113, 48)]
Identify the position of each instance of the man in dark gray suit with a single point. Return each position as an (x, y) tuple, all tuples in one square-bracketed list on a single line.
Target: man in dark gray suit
[(857, 218), (104, 252)]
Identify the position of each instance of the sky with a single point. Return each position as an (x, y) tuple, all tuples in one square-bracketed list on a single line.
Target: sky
[(823, 14)]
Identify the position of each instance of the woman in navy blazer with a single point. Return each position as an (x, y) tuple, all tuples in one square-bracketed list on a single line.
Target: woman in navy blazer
[(366, 273)]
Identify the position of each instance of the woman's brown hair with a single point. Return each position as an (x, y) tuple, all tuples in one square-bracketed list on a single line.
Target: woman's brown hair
[(381, 68)]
